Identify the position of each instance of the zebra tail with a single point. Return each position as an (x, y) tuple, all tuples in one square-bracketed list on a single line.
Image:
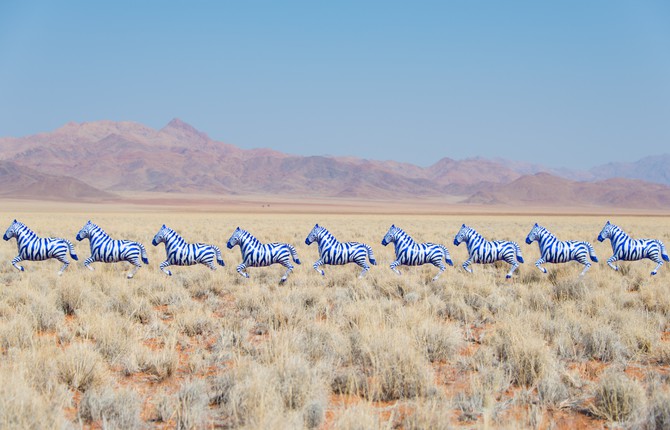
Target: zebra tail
[(219, 258), (294, 253), (371, 256), (519, 258), (71, 246), (664, 254), (592, 252), (447, 257), (145, 259)]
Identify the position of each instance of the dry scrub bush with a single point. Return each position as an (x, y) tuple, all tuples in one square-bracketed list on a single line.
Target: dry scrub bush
[(114, 409), (358, 417), (617, 397), (81, 367), (526, 359), (192, 402)]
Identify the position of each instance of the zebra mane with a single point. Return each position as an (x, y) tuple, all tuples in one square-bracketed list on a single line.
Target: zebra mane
[(402, 234), (246, 236)]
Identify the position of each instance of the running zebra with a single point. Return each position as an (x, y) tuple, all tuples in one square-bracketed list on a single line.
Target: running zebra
[(35, 248), (410, 253), (107, 250), (181, 253), (333, 251), (481, 250), (553, 250), (257, 254), (627, 249)]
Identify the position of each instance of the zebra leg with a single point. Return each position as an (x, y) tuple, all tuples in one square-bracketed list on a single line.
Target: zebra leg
[(289, 269), (365, 267), (394, 265), (135, 269), (65, 264), (316, 265), (15, 261), (467, 264), (611, 260), (240, 270), (442, 268), (539, 264), (163, 266), (511, 271), (587, 266), (658, 266), (87, 263)]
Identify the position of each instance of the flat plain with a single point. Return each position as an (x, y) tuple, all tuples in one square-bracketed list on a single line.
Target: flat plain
[(204, 349)]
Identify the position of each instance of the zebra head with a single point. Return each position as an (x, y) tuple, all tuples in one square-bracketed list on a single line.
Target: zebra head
[(607, 232), (12, 231), (85, 231), (314, 234), (235, 238), (390, 235), (161, 236), (462, 234), (535, 234)]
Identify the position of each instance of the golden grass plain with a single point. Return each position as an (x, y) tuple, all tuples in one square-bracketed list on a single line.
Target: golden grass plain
[(205, 349)]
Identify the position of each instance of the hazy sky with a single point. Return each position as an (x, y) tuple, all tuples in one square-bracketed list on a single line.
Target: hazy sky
[(565, 83)]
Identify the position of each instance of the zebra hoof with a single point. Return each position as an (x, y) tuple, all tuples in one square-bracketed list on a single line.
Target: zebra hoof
[(323, 273), (282, 280), (21, 269), (653, 273), (508, 277), (129, 276)]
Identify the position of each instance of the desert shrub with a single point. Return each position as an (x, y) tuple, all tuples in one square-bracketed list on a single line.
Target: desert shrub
[(313, 414), (438, 341), (70, 298), (349, 380), (617, 397), (601, 342), (81, 367), (358, 417), (525, 358), (192, 401), (398, 371), (46, 314), (16, 333), (116, 409), (160, 364), (657, 414), (569, 289), (433, 415), (194, 322)]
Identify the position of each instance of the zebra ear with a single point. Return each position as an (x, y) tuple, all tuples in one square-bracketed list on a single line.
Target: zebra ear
[(608, 223), (14, 219), (463, 225), (316, 225), (535, 224), (237, 229), (392, 225), (163, 226)]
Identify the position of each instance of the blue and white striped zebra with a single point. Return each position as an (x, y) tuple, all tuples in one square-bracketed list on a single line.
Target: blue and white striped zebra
[(35, 248), (181, 253), (335, 252), (257, 254), (481, 250), (410, 253), (627, 249), (553, 250), (107, 250)]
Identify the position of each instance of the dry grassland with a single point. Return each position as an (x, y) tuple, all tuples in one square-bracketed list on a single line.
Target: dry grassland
[(206, 349)]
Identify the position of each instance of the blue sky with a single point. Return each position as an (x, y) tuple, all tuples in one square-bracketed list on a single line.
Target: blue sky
[(569, 83)]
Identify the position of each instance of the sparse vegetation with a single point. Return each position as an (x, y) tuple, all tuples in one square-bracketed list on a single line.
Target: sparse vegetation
[(211, 349)]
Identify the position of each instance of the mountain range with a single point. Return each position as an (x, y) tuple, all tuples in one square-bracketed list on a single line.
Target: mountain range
[(104, 160)]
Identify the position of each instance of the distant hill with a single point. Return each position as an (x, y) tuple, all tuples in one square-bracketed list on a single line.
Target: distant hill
[(24, 183), (82, 161)]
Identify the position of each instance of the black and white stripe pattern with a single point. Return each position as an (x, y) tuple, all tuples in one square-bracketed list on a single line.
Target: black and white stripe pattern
[(35, 248), (482, 251), (335, 252), (627, 249), (181, 253), (107, 250), (257, 254), (553, 250), (410, 253)]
